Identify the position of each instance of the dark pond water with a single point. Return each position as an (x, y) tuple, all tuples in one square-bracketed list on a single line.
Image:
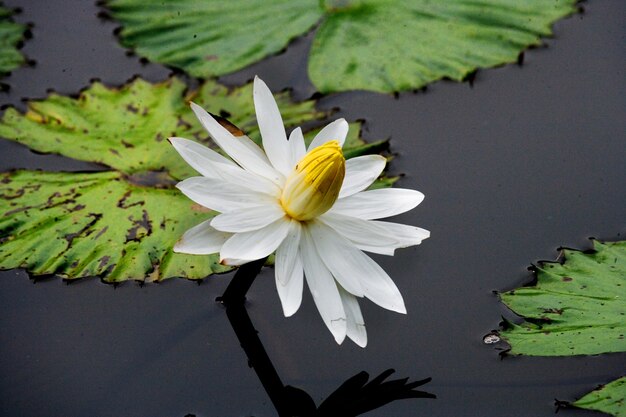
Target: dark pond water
[(526, 160)]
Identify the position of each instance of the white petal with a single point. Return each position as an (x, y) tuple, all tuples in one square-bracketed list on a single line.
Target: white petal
[(407, 235), (252, 147), (362, 233), (221, 196), (361, 172), (290, 294), (289, 275), (324, 289), (201, 239), (347, 260), (204, 160), (296, 146), (375, 236), (287, 253), (375, 204), (235, 262), (330, 247), (271, 127), (337, 130), (245, 153), (248, 219), (289, 272), (213, 165), (256, 244), (355, 323)]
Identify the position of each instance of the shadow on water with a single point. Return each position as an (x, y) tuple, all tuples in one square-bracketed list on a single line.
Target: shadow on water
[(354, 397)]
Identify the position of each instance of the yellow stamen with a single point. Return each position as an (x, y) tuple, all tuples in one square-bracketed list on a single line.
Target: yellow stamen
[(313, 187)]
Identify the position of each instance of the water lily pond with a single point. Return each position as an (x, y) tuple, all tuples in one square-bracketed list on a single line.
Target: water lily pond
[(517, 160)]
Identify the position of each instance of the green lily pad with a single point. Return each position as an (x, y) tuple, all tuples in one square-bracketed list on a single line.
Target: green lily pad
[(379, 45), (97, 224), (212, 37), (610, 399), (394, 45), (126, 129), (120, 224), (577, 307), (11, 34)]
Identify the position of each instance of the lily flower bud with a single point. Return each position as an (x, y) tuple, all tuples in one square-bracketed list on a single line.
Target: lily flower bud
[(313, 187)]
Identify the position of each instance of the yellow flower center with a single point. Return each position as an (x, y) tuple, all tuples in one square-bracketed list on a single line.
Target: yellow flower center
[(314, 186)]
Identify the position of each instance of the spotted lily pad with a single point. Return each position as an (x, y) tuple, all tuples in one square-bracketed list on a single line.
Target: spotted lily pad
[(11, 34), (577, 307), (610, 399), (120, 224), (380, 45), (126, 129), (96, 224)]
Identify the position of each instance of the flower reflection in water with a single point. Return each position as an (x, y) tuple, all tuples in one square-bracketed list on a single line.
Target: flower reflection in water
[(354, 397)]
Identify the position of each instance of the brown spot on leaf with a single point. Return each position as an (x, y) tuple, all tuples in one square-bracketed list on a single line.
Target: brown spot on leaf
[(101, 232), (84, 231), (123, 204), (17, 193), (102, 262), (141, 228), (200, 137), (50, 201), (199, 208), (132, 109), (17, 210), (127, 144), (183, 123), (553, 311)]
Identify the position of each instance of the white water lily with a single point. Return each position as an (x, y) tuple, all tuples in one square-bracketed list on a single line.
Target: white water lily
[(310, 206)]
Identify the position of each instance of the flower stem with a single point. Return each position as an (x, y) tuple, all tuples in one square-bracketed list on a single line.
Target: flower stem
[(242, 281), (234, 298)]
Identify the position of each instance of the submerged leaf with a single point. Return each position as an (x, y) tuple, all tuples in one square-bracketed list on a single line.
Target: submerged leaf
[(379, 45), (120, 224), (11, 34), (576, 308), (610, 399)]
